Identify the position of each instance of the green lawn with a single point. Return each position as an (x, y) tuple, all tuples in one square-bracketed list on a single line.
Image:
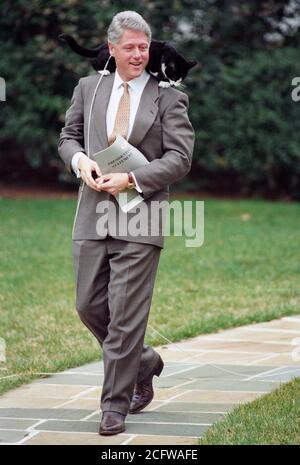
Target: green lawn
[(269, 420), (247, 271)]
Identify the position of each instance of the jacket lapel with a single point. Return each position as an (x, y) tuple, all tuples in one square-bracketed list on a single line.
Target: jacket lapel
[(100, 109), (146, 112)]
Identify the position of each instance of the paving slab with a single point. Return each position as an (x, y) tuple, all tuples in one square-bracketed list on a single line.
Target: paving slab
[(71, 438), (80, 379), (15, 423), (166, 416), (40, 414), (132, 427), (12, 436), (162, 440), (204, 378), (192, 407)]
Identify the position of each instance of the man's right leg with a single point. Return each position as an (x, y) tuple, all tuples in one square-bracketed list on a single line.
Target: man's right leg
[(91, 267), (92, 273)]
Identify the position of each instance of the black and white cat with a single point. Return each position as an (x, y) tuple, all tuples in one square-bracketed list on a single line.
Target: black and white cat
[(165, 63)]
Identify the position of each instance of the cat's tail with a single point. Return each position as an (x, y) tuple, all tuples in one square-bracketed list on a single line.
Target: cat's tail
[(83, 51)]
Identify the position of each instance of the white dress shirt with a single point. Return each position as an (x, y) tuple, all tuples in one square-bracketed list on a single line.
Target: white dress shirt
[(135, 87)]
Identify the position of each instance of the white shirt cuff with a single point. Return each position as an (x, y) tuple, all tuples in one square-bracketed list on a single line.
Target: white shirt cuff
[(137, 187), (75, 161)]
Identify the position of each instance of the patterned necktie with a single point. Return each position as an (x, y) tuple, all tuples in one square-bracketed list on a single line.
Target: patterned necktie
[(122, 117)]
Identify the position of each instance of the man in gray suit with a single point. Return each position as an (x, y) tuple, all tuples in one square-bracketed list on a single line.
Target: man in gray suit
[(115, 270)]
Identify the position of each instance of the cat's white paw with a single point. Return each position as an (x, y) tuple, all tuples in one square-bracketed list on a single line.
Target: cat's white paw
[(164, 84), (104, 72)]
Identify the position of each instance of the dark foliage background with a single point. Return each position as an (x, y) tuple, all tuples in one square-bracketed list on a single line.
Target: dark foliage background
[(246, 123)]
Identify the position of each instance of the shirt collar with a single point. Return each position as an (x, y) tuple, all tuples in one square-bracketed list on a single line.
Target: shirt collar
[(136, 83)]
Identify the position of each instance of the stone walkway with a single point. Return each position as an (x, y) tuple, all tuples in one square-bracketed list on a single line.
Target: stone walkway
[(204, 377)]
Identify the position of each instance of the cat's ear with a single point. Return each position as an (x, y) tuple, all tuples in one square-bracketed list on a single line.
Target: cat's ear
[(192, 63)]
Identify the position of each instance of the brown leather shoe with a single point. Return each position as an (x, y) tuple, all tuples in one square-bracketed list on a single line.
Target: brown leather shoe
[(143, 392), (112, 423)]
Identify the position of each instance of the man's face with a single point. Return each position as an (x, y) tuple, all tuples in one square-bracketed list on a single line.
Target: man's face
[(131, 54)]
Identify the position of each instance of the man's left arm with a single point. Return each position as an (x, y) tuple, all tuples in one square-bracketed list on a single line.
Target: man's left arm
[(178, 143)]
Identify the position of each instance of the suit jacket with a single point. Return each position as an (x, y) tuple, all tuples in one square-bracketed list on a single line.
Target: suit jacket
[(162, 132)]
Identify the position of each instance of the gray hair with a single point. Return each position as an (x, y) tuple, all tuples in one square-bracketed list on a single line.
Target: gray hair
[(127, 20)]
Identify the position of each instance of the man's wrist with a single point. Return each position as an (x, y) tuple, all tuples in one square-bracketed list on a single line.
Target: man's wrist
[(83, 155), (75, 161)]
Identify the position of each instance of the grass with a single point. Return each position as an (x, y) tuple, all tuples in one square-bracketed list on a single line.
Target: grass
[(246, 271), (272, 419)]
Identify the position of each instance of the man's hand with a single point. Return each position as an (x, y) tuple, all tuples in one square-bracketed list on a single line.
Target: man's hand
[(113, 182), (87, 167)]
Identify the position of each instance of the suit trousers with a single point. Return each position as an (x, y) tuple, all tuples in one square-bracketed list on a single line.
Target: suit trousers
[(114, 286)]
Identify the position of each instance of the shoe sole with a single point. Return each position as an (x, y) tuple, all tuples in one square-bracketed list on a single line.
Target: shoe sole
[(110, 433)]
